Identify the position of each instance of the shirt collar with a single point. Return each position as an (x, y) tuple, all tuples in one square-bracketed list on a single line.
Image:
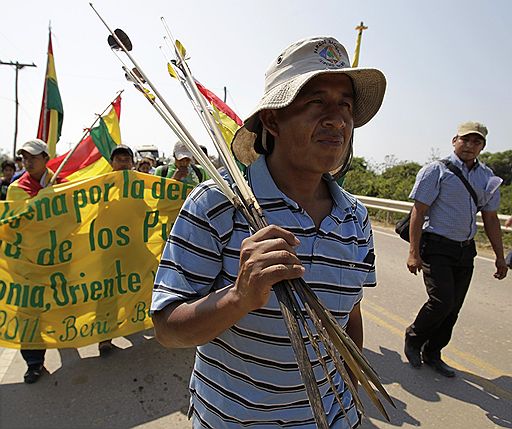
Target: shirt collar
[(459, 163), (264, 187)]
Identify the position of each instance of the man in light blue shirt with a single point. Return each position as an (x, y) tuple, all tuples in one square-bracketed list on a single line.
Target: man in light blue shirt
[(442, 227), (213, 288)]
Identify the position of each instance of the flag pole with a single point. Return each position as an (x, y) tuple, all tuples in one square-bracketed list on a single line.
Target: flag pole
[(44, 106), (52, 112), (87, 131), (361, 27)]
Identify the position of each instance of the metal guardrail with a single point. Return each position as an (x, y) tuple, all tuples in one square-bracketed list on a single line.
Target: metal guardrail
[(405, 207)]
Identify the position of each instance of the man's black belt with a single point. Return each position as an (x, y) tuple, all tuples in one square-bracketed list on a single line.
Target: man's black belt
[(439, 238)]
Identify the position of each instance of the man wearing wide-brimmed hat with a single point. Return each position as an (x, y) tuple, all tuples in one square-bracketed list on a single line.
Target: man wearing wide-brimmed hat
[(213, 288), (448, 194)]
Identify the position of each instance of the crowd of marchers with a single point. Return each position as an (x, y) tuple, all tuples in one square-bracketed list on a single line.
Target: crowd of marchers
[(25, 176)]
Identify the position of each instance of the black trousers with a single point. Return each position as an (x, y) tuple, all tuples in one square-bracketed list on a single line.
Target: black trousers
[(33, 357), (447, 272)]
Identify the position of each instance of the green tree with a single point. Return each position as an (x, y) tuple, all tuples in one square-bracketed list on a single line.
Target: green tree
[(358, 164), (500, 163), (506, 200), (360, 180), (397, 181)]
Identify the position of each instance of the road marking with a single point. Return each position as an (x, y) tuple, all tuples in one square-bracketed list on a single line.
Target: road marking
[(489, 386), (6, 358), (483, 258), (386, 233), (453, 350)]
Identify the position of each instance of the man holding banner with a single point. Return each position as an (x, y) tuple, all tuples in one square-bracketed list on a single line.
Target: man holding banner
[(213, 288), (121, 158), (78, 260), (36, 177)]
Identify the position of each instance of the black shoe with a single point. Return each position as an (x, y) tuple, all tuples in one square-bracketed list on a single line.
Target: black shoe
[(105, 348), (34, 373), (439, 366), (412, 353)]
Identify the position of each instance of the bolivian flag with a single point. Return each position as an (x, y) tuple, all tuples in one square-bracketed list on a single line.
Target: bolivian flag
[(91, 157), (228, 121), (52, 113)]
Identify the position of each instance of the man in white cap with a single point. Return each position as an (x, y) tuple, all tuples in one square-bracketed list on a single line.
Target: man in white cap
[(36, 177), (447, 196), (183, 167), (213, 288)]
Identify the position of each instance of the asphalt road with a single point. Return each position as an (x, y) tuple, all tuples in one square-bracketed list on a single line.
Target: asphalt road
[(143, 385)]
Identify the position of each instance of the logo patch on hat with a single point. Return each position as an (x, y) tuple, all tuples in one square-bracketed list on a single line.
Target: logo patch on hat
[(330, 54)]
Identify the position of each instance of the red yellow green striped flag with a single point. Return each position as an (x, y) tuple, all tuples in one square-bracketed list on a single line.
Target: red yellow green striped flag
[(52, 112), (228, 121), (224, 116), (91, 157)]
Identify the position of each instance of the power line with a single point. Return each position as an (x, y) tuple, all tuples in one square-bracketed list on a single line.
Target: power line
[(18, 66)]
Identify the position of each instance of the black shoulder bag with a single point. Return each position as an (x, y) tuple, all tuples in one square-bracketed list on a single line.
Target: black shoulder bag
[(402, 226)]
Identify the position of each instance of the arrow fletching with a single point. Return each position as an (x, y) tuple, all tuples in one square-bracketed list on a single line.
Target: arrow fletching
[(123, 37), (137, 73), (171, 71), (146, 93), (181, 49), (134, 75)]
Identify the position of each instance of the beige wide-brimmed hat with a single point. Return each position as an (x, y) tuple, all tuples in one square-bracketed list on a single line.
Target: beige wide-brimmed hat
[(296, 66)]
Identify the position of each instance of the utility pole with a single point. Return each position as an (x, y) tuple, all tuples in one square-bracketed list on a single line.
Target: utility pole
[(18, 66), (360, 28)]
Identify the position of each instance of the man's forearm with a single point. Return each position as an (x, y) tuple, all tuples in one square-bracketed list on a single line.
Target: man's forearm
[(415, 230), (189, 324), (493, 231), (355, 331)]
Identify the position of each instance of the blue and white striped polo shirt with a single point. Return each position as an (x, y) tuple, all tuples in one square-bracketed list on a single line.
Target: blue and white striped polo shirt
[(452, 212), (248, 376)]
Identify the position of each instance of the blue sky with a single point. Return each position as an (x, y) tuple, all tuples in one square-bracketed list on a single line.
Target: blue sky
[(445, 62)]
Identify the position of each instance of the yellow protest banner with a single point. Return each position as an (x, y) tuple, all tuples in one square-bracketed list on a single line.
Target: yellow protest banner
[(77, 262)]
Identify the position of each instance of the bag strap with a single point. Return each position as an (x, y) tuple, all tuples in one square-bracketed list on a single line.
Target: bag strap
[(165, 170), (456, 170)]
